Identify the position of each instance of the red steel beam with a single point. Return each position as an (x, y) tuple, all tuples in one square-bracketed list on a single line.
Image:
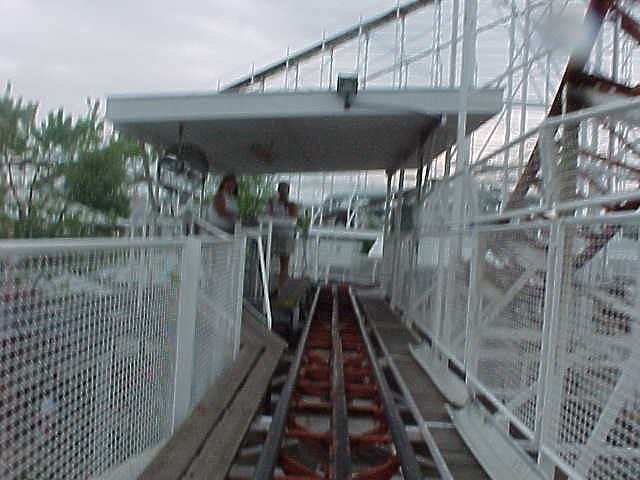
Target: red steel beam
[(594, 18)]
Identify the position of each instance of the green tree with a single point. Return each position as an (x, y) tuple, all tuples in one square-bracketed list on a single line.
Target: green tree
[(98, 179), (61, 173)]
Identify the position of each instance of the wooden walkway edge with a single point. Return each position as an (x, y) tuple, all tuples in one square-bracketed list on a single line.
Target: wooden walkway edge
[(204, 446), (431, 403)]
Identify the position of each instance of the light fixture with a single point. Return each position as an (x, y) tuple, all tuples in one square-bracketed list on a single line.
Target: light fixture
[(347, 88)]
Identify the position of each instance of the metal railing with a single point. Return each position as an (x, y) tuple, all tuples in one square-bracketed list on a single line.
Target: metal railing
[(320, 254), (539, 307), (339, 254), (257, 267), (106, 345)]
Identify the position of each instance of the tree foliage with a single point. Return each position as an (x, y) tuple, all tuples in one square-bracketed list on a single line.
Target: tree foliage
[(98, 180), (58, 173), (65, 176)]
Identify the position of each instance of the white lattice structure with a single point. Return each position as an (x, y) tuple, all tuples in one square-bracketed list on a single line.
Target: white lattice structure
[(530, 48), (538, 308)]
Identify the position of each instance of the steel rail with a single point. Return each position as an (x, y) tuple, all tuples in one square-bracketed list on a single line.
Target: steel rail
[(405, 452), (426, 434), (269, 457), (341, 455)]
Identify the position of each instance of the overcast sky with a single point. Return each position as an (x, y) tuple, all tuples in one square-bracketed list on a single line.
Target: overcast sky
[(60, 52)]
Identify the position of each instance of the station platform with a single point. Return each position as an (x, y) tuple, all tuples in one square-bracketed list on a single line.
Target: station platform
[(426, 396)]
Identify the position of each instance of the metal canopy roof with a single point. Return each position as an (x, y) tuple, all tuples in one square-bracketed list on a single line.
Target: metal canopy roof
[(304, 131)]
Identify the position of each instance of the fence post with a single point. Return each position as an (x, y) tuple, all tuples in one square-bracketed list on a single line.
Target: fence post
[(267, 254), (240, 248), (545, 410), (316, 266), (186, 327), (454, 255), (547, 163), (266, 302), (473, 304), (441, 279), (413, 268)]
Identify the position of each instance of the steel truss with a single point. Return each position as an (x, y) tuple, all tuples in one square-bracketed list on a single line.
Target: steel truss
[(418, 44)]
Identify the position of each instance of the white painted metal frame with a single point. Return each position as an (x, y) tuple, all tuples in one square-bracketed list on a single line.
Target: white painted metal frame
[(571, 313), (124, 334)]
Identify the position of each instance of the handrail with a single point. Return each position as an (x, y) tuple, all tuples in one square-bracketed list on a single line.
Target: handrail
[(8, 247), (345, 233), (210, 228), (551, 122)]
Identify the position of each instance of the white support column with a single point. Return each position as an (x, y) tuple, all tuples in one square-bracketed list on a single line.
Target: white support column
[(453, 58), (473, 305), (509, 105), (403, 71), (397, 241), (615, 75), (524, 89), (322, 60), (286, 70), (331, 52), (186, 327), (387, 202), (316, 267), (359, 54), (462, 163), (365, 72), (547, 162), (397, 72), (265, 284), (547, 69), (415, 248), (436, 70), (387, 248), (549, 382), (267, 256), (468, 70), (240, 247)]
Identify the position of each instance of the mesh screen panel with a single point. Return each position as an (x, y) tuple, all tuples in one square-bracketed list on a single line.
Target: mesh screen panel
[(422, 306), (215, 315), (253, 288), (457, 292), (595, 422), (509, 327), (87, 353)]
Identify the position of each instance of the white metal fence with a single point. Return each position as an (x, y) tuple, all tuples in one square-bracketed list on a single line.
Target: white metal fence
[(322, 254), (539, 308), (106, 345), (338, 254)]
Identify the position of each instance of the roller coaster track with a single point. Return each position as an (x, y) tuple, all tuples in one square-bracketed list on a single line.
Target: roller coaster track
[(334, 384)]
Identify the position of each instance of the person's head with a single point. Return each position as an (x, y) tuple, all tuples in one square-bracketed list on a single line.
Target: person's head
[(283, 191), (228, 185)]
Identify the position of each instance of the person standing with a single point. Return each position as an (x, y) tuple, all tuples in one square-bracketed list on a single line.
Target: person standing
[(284, 214), (224, 212)]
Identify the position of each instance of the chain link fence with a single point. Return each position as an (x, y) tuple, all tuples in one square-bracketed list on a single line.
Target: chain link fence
[(93, 337)]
